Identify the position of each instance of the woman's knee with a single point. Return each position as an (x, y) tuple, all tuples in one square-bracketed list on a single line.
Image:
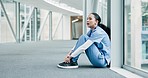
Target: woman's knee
[(83, 37)]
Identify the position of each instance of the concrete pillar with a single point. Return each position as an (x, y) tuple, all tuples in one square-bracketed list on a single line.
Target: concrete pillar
[(84, 15), (117, 33), (109, 13), (95, 6), (34, 30), (136, 29), (50, 25), (18, 22)]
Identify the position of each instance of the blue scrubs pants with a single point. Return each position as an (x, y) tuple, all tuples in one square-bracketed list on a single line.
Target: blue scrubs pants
[(94, 55)]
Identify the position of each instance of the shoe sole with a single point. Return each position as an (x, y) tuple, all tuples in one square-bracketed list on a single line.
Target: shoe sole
[(68, 67)]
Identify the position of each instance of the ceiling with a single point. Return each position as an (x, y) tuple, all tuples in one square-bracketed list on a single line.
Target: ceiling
[(78, 4)]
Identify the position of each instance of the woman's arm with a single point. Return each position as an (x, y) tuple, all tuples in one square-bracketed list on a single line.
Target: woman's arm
[(82, 48)]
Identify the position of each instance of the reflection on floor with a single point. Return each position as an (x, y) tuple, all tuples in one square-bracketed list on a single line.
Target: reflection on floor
[(144, 67)]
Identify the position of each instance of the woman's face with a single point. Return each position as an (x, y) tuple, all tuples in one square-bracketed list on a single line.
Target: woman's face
[(91, 21)]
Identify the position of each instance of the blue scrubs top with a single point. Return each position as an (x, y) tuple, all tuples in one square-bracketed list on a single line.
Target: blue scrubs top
[(101, 39)]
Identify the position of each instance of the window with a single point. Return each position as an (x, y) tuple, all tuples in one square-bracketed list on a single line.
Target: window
[(136, 34)]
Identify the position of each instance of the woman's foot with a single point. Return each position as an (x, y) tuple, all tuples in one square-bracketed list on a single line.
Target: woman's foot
[(68, 65)]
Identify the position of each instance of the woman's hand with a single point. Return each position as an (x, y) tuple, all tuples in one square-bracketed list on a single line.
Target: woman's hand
[(67, 58)]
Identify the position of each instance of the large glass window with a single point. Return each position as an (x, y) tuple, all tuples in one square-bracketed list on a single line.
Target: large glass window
[(144, 8), (102, 10), (22, 22), (136, 34)]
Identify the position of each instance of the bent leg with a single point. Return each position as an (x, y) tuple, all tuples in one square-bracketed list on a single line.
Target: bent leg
[(82, 39), (95, 56), (93, 53)]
